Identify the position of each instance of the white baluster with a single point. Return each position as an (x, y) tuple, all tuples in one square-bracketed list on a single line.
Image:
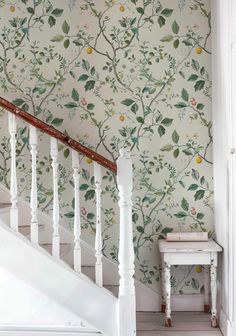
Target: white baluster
[(77, 223), (56, 236), (34, 195), (14, 207), (127, 306), (98, 239)]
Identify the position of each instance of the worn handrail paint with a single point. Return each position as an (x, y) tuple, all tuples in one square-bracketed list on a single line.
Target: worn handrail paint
[(50, 130)]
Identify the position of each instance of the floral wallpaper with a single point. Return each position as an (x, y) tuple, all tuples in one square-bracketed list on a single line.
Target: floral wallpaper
[(113, 73)]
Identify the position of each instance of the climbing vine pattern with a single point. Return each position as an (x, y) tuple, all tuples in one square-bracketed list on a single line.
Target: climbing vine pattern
[(132, 73)]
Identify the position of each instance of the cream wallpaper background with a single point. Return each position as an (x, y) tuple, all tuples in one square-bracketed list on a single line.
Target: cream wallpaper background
[(114, 73)]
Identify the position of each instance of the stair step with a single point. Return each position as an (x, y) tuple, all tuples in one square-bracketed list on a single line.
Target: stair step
[(5, 205), (25, 229), (48, 247), (113, 289)]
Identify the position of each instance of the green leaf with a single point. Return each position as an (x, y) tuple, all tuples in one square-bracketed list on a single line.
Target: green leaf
[(65, 27), (167, 38), (176, 153), (57, 122), (66, 153), (167, 148), (200, 215), (127, 102), (167, 12), (140, 10), (185, 204), (161, 21), (180, 105), (89, 195), (18, 102), (83, 78), (193, 78), (202, 71), (181, 214), (175, 27), (135, 217), (140, 229), (175, 137), (195, 283), (90, 107), (57, 38), (176, 43), (195, 174), (185, 95), (195, 65), (199, 85), (69, 214), (193, 187), (89, 85), (30, 10), (57, 12), (134, 108), (140, 120), (71, 105), (161, 130), (51, 21), (188, 151), (199, 195), (200, 107), (83, 186), (90, 215), (202, 180), (75, 95), (166, 230), (167, 122), (66, 43)]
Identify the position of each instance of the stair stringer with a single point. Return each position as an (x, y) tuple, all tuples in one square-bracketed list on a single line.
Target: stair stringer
[(75, 292)]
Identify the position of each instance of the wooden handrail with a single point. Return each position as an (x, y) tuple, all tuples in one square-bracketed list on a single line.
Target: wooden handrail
[(50, 130)]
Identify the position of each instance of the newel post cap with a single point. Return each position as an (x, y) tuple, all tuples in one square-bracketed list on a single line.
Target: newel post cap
[(124, 168)]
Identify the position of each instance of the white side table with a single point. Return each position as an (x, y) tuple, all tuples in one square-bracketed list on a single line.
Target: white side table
[(190, 253)]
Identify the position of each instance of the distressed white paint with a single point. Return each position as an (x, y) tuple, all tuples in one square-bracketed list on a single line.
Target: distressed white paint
[(189, 253), (127, 315), (206, 277), (14, 208), (34, 194), (98, 239), (77, 222), (56, 236)]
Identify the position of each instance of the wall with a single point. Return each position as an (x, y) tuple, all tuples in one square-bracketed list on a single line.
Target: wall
[(112, 74)]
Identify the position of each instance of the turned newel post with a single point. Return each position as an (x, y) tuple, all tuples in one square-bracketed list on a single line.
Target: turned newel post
[(34, 198), (14, 207), (127, 306), (56, 237)]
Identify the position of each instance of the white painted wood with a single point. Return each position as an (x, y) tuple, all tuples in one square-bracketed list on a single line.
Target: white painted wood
[(206, 277), (189, 253), (77, 222), (34, 195), (56, 236), (14, 208), (127, 317), (98, 239)]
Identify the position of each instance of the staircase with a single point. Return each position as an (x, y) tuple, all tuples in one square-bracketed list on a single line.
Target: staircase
[(63, 297)]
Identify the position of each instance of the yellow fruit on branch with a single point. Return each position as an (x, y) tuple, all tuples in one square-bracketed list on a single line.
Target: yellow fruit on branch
[(122, 118), (122, 8), (198, 50), (198, 269), (88, 160), (89, 50), (12, 9), (198, 159)]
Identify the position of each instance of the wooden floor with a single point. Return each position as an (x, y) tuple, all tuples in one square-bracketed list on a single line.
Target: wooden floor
[(184, 324)]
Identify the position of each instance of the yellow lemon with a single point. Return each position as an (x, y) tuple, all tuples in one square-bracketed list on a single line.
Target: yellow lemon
[(88, 160), (122, 117), (12, 9), (198, 50), (198, 159), (198, 269), (89, 50), (122, 8)]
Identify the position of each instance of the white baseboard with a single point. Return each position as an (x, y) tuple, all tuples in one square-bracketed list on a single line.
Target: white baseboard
[(227, 328)]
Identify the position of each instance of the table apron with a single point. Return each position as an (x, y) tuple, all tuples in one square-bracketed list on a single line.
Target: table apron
[(190, 258)]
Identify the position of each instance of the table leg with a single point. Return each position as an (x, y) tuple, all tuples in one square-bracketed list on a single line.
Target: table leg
[(163, 300), (214, 321), (167, 293), (206, 289)]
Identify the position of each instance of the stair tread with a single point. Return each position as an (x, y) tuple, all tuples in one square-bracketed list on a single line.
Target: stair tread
[(4, 205)]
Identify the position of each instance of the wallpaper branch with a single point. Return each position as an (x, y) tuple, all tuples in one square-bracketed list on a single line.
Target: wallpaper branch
[(113, 74)]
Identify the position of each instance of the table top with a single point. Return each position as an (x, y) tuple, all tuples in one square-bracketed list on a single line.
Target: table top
[(179, 247)]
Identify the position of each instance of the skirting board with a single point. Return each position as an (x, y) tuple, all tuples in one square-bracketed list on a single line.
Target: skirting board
[(227, 328), (146, 298)]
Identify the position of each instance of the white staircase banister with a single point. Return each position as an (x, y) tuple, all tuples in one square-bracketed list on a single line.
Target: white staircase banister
[(14, 208), (127, 305), (34, 195), (77, 221)]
